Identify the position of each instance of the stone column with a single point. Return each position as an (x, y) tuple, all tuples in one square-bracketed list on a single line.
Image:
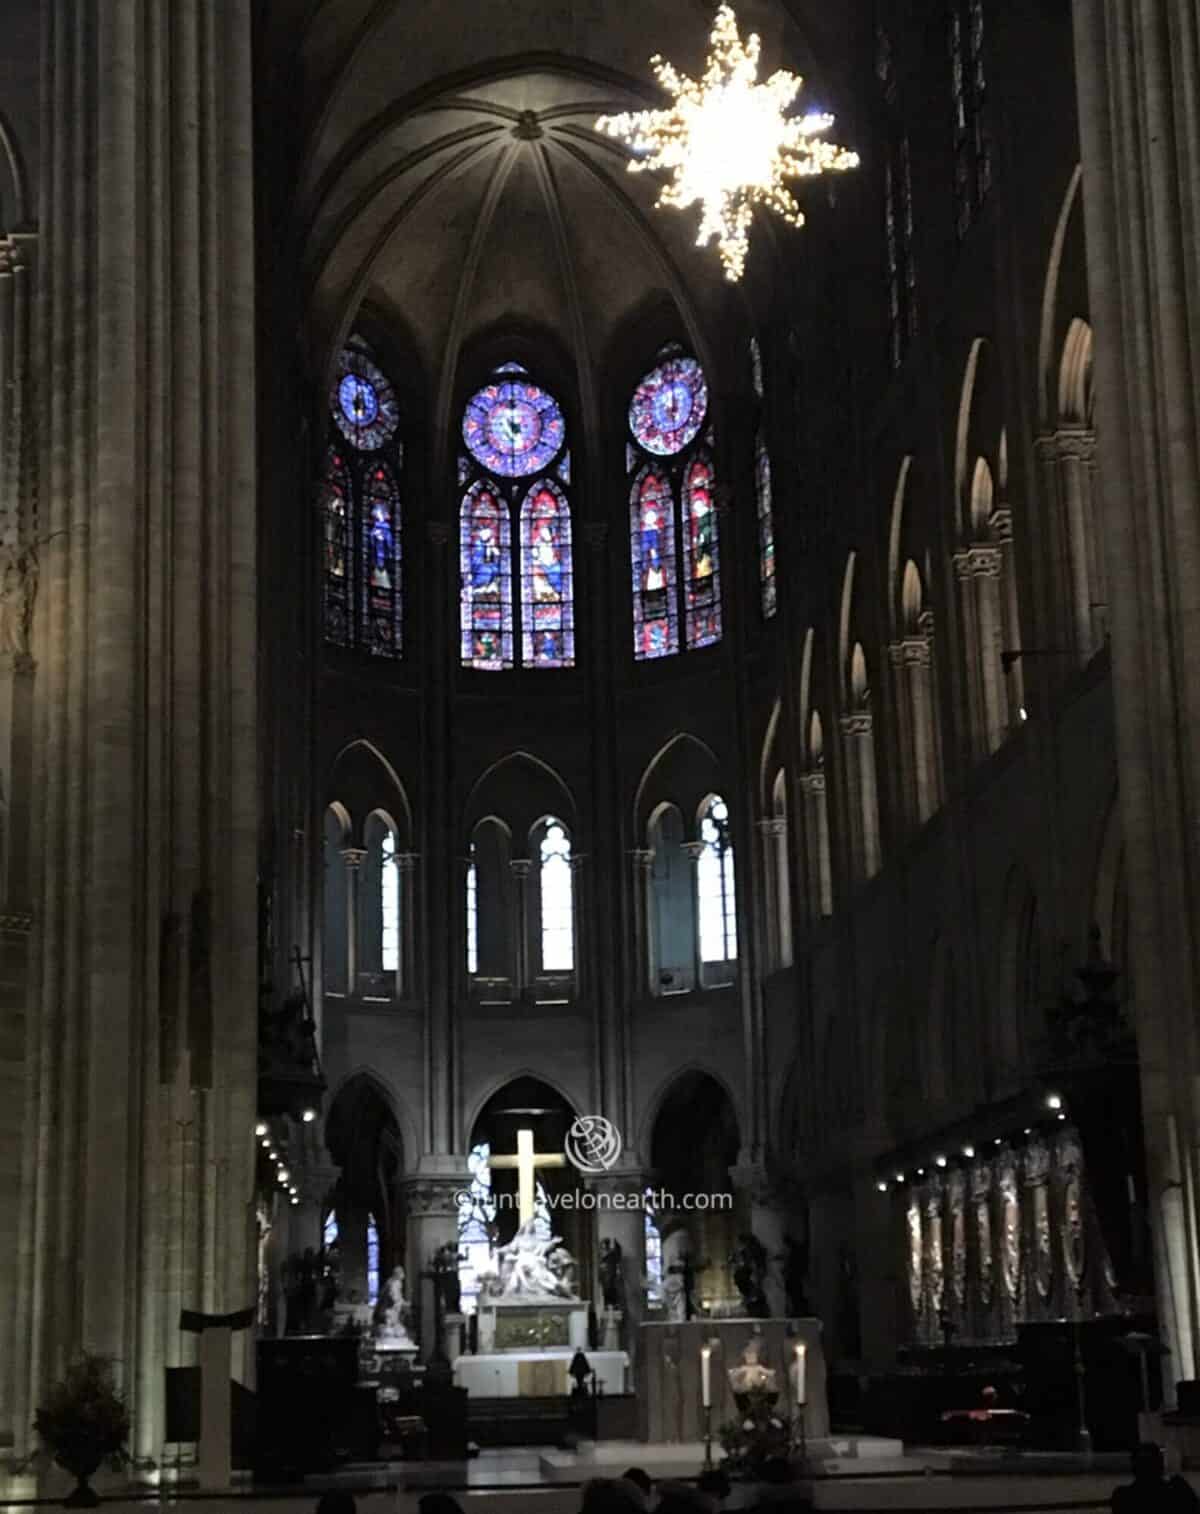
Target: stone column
[(440, 968), (858, 728), (353, 857), (617, 1219), (1139, 100), (773, 831), (977, 569), (405, 864), (694, 850), (644, 964), (522, 926), (768, 1210), (1076, 453), (431, 1220), (145, 817)]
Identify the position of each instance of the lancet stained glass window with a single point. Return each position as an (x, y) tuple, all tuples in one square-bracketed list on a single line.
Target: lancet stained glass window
[(715, 894), (389, 899), (360, 506), (968, 87), (702, 577), (673, 537), (514, 429), (547, 600), (766, 523), (372, 1260), (472, 914)]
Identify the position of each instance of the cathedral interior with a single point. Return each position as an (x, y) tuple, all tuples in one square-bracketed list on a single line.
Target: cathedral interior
[(469, 664)]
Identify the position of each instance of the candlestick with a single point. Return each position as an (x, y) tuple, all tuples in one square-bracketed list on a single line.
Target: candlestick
[(706, 1376), (801, 1371)]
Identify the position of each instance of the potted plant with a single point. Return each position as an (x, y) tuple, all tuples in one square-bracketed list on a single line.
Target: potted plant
[(83, 1422)]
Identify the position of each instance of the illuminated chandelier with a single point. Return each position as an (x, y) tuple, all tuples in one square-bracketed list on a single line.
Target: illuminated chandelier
[(727, 142)]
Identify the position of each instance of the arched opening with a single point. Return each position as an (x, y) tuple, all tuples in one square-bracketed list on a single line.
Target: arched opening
[(525, 1113), (363, 1138), (672, 905), (694, 1143)]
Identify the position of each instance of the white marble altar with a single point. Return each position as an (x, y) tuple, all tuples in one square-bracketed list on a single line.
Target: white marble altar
[(525, 1374)]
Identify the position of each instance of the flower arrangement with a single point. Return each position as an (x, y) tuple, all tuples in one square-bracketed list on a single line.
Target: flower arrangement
[(762, 1433), (83, 1422)]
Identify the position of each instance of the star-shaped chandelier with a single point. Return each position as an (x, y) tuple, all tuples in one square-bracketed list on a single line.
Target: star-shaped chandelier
[(727, 141)]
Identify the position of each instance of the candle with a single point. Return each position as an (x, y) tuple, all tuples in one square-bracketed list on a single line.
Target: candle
[(801, 1384), (706, 1376)]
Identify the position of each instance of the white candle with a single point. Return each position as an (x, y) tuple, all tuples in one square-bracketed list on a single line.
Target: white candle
[(801, 1364), (706, 1376)]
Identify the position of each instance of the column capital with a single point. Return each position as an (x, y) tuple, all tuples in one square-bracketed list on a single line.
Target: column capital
[(406, 862), (642, 858), (857, 723), (980, 560), (1000, 522), (430, 1197), (764, 1188), (912, 652), (1075, 444), (354, 856), (813, 782), (694, 849), (772, 825), (520, 867)]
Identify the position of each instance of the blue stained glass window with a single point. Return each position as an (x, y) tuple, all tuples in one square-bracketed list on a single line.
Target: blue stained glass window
[(336, 505), (652, 536), (654, 1255), (360, 509), (766, 524), (547, 596), (372, 1260), (701, 559), (669, 406), (363, 402), (381, 562), (513, 428), (329, 1233), (486, 576)]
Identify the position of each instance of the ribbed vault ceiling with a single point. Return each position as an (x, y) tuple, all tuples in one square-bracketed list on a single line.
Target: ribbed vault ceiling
[(453, 177)]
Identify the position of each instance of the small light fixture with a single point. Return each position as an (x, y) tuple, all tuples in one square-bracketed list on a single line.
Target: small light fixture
[(294, 1201), (968, 1151), (882, 1186), (1053, 1101), (265, 1144), (920, 1172), (940, 1161), (283, 1174), (309, 1116), (998, 1141), (1061, 1115), (899, 1177), (261, 1128), (1023, 712), (1028, 1130)]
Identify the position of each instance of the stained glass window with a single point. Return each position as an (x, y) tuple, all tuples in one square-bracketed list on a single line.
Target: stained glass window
[(669, 406), (968, 89), (652, 534), (756, 368), (558, 910), (337, 505), (766, 523), (486, 550), (381, 562), (329, 1232), (715, 895), (547, 598), (372, 1260), (360, 509), (363, 402), (898, 236), (514, 429), (654, 1255), (701, 567), (672, 511), (476, 1215)]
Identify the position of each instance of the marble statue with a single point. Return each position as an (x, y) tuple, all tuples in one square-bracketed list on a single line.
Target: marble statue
[(531, 1266), (675, 1297), (391, 1313)]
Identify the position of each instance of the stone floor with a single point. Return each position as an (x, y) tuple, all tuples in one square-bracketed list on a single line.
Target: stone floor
[(514, 1482)]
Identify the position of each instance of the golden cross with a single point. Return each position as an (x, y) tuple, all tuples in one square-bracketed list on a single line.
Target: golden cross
[(526, 1162)]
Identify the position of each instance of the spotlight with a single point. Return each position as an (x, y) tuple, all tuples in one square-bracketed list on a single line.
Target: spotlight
[(940, 1161), (283, 1174), (968, 1151), (1053, 1101), (309, 1116), (294, 1201), (882, 1186), (899, 1177), (998, 1141), (920, 1172), (1024, 713), (261, 1128), (1061, 1115)]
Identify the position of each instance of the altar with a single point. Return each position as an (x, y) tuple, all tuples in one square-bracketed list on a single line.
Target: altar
[(537, 1374), (670, 1406)]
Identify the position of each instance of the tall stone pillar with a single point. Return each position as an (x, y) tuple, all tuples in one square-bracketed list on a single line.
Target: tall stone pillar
[(768, 1210), (431, 1211), (138, 1161), (1139, 100)]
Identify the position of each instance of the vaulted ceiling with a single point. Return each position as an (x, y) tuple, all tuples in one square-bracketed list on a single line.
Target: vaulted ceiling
[(451, 174)]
